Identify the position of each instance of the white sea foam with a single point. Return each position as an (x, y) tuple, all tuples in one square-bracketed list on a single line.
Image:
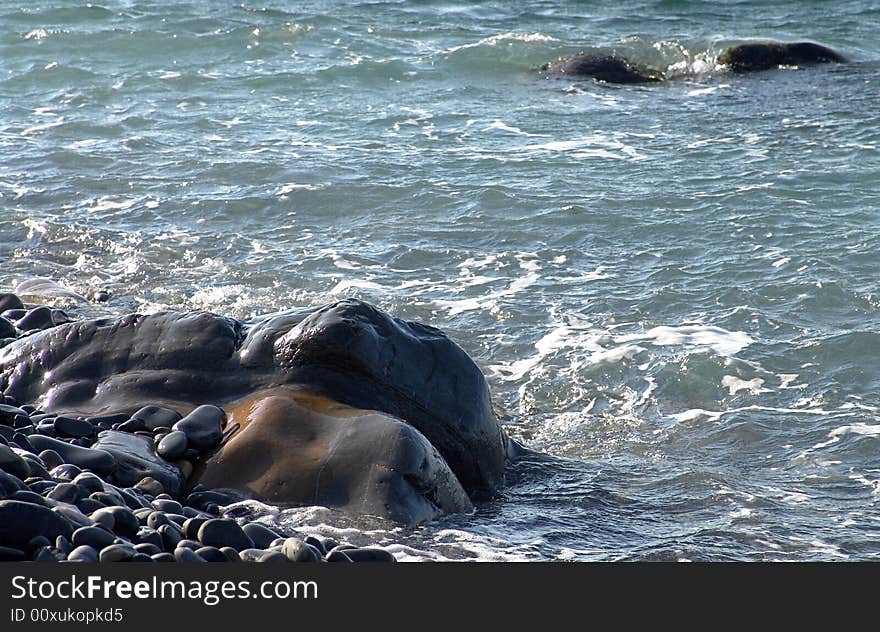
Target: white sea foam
[(721, 341)]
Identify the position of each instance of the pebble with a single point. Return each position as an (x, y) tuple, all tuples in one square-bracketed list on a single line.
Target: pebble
[(203, 427), (157, 416), (83, 553), (8, 300), (338, 556), (30, 496), (65, 493), (172, 446), (117, 553), (221, 532), (211, 554), (170, 535), (168, 506), (231, 554), (141, 557), (156, 519), (132, 425), (259, 555), (7, 329), (88, 482), (89, 505), (67, 471), (148, 535), (191, 527), (9, 413), (260, 535), (147, 548), (368, 554), (70, 427), (72, 514), (94, 536), (317, 543), (298, 551), (21, 521), (164, 557), (13, 464), (150, 485), (186, 555), (99, 461), (124, 521), (37, 318)]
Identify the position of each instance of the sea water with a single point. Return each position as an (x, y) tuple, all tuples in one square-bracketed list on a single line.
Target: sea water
[(672, 289)]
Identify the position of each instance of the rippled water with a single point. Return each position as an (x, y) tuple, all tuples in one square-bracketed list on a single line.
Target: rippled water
[(672, 289)]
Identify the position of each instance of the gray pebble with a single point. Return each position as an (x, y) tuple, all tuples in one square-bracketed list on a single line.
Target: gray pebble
[(117, 553), (83, 553), (221, 532)]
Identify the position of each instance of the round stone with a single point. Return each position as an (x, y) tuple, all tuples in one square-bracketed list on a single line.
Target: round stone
[(368, 554), (172, 446), (211, 554), (13, 464), (117, 553), (96, 537), (70, 427), (65, 493), (186, 555), (222, 532), (298, 551), (203, 427), (260, 535), (83, 554), (7, 329)]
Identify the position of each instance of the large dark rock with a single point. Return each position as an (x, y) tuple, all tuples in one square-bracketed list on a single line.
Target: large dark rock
[(97, 460), (332, 365), (603, 67), (754, 56)]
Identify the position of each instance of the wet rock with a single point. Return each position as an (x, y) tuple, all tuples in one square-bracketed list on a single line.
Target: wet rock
[(70, 427), (231, 554), (7, 329), (298, 551), (191, 527), (72, 515), (167, 505), (338, 556), (51, 458), (121, 520), (97, 460), (13, 464), (173, 445), (94, 536), (187, 556), (89, 505), (149, 485), (147, 548), (171, 536), (117, 553), (146, 535), (163, 557), (259, 534), (211, 554), (10, 301), (157, 416), (261, 556), (222, 532), (135, 460), (203, 427), (37, 318), (65, 493), (89, 483), (83, 554), (368, 554), (20, 521), (9, 413)]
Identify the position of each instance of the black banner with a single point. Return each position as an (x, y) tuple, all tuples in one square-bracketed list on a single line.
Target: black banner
[(117, 596)]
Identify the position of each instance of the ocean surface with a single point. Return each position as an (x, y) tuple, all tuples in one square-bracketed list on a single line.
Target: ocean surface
[(672, 290)]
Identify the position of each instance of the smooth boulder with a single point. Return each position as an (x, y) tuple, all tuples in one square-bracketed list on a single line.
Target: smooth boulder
[(756, 56)]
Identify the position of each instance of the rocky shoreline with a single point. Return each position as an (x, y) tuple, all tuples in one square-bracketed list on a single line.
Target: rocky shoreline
[(123, 486)]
